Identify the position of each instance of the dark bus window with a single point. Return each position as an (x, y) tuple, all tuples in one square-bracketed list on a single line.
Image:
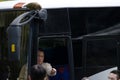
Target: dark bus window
[(101, 55), (56, 53), (57, 22)]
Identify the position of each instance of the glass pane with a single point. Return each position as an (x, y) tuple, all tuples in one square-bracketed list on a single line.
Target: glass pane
[(57, 22), (56, 54), (23, 53), (101, 55)]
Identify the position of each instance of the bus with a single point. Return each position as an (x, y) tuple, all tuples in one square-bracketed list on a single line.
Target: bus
[(79, 38)]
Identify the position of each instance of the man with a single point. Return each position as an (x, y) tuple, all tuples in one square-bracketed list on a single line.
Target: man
[(40, 60), (114, 75), (38, 73)]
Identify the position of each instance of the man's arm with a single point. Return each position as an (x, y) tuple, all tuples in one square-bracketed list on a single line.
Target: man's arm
[(50, 71)]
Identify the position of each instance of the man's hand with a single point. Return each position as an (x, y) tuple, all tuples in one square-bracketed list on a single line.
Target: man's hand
[(53, 71)]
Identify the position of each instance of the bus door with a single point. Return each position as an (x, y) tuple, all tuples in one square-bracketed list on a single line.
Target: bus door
[(58, 52)]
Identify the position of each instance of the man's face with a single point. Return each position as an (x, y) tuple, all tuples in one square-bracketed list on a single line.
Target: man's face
[(40, 57), (112, 76)]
